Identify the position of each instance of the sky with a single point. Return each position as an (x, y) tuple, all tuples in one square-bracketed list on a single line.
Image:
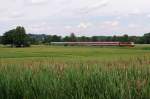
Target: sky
[(82, 17)]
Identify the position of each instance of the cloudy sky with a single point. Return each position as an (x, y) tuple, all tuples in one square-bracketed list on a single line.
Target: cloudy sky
[(83, 17)]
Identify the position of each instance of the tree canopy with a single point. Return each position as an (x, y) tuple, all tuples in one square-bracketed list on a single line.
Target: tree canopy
[(16, 37)]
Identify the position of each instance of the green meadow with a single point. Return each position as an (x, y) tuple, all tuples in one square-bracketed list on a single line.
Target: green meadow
[(75, 72)]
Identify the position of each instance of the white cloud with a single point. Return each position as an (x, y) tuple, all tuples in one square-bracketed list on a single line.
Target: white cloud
[(93, 5), (111, 23), (148, 15), (38, 29), (118, 17), (135, 12), (16, 14), (68, 27), (38, 1), (132, 25), (75, 15), (84, 25)]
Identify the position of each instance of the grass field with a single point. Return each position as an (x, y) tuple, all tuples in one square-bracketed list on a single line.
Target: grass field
[(57, 72)]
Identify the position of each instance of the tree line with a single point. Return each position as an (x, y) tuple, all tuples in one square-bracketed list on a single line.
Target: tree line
[(19, 38), (47, 39)]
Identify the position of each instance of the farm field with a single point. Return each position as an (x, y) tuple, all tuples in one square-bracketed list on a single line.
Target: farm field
[(58, 72)]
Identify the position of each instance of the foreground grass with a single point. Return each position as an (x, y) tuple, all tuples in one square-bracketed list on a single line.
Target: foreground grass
[(75, 73), (129, 80)]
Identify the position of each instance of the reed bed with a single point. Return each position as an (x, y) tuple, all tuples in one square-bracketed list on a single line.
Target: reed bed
[(117, 79)]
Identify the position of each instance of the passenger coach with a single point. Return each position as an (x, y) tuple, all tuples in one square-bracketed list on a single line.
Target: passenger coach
[(130, 44)]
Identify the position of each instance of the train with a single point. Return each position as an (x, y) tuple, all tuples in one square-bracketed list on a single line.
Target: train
[(129, 44)]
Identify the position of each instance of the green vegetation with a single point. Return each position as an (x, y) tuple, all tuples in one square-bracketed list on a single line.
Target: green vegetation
[(18, 38), (57, 72), (47, 39)]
